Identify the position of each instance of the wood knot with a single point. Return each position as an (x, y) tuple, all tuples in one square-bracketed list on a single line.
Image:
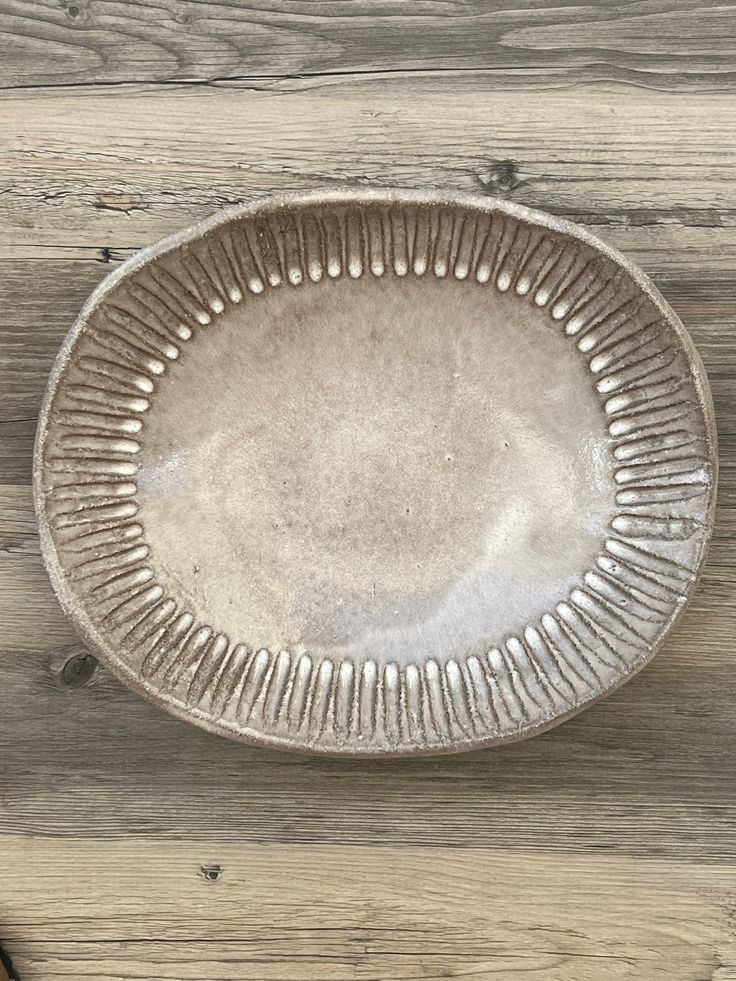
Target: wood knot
[(78, 670), (502, 176)]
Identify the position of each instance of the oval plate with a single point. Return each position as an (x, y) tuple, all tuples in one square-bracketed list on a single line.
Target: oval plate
[(376, 473)]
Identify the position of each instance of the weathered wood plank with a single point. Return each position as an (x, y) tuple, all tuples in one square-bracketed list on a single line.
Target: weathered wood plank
[(429, 914), (121, 168), (331, 959), (658, 42)]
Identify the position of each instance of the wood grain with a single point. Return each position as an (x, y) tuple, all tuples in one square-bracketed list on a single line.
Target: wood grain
[(363, 913), (605, 154), (602, 850), (656, 42)]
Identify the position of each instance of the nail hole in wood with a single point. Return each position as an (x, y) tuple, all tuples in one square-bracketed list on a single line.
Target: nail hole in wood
[(211, 872)]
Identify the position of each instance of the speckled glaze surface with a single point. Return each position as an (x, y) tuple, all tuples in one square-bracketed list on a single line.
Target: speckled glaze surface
[(376, 473)]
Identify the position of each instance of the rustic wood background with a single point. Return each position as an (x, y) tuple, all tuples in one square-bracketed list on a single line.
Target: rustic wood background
[(135, 846)]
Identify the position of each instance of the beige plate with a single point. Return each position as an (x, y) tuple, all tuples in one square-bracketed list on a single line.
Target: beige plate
[(376, 473)]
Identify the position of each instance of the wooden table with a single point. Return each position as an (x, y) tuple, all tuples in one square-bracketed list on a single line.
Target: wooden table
[(135, 846)]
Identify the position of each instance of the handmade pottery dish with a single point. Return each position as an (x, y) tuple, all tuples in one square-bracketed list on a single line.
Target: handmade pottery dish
[(376, 472)]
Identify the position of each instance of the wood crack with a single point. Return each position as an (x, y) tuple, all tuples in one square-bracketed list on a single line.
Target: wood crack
[(270, 81)]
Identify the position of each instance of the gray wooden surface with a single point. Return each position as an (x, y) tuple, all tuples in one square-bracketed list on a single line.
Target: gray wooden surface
[(133, 845)]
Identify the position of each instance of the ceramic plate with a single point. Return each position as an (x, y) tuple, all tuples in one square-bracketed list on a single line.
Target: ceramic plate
[(376, 473)]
